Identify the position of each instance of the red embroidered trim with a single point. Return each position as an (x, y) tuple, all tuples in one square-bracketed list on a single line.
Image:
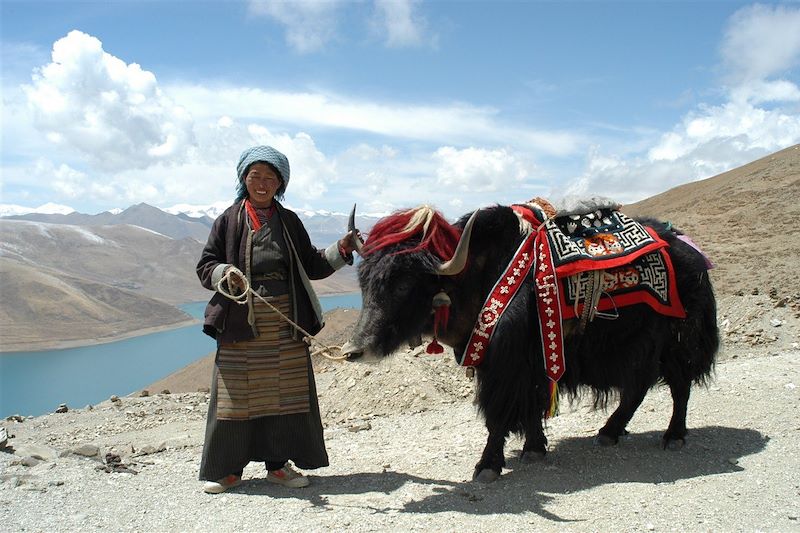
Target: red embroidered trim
[(534, 252), (497, 302), (548, 303)]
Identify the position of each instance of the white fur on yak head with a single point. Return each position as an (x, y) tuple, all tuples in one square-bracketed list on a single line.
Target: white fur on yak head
[(404, 259)]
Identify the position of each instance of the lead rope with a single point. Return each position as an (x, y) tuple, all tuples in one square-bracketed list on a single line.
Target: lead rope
[(241, 299)]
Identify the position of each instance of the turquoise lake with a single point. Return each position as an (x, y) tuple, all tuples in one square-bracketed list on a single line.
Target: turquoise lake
[(35, 383)]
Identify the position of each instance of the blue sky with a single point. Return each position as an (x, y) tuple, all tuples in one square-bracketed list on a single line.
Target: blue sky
[(389, 104)]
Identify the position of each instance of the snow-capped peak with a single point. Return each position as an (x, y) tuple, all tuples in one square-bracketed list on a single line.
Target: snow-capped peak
[(198, 211), (7, 210)]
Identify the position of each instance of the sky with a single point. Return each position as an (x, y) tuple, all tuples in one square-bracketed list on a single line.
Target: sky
[(388, 103)]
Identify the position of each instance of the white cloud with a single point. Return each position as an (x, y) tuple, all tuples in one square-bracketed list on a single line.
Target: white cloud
[(207, 175), (135, 191), (453, 123), (760, 46), (366, 152), (397, 22), (747, 126), (197, 181), (310, 24), (761, 41), (763, 92), (311, 171), (630, 179), (112, 113), (479, 170), (455, 155), (74, 184), (62, 178)]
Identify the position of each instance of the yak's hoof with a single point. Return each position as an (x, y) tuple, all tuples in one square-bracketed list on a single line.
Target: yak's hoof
[(604, 440), (531, 456), (673, 445), (487, 475)]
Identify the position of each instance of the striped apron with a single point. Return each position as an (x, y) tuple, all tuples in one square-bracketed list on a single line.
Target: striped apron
[(267, 375)]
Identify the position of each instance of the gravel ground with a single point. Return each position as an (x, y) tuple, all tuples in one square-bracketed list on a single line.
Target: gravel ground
[(403, 437)]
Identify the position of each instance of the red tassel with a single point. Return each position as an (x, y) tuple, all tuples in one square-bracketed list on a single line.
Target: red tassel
[(441, 314), (434, 347)]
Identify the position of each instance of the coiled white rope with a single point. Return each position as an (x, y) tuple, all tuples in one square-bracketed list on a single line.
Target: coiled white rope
[(241, 299)]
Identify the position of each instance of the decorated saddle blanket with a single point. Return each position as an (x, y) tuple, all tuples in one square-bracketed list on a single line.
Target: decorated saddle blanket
[(595, 261), (597, 240), (603, 251), (630, 260)]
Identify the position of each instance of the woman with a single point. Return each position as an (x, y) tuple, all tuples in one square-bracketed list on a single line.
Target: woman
[(263, 396)]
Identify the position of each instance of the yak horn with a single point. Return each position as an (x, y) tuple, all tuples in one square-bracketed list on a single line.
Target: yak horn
[(351, 228), (459, 260)]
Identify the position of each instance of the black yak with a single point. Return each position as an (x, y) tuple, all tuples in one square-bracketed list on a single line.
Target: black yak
[(423, 276)]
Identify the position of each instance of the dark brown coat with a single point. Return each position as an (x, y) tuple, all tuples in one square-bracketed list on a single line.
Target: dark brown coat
[(226, 320)]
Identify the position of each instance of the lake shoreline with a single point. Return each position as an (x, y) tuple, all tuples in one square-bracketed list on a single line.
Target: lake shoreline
[(33, 347)]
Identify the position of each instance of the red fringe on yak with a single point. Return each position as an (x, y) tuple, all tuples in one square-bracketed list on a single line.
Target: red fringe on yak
[(438, 236)]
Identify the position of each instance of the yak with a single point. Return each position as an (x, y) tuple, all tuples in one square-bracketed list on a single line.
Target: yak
[(415, 264)]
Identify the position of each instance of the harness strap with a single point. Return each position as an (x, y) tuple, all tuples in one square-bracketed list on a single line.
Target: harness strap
[(532, 255)]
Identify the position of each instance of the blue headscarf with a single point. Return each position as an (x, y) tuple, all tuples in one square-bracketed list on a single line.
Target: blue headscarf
[(262, 154)]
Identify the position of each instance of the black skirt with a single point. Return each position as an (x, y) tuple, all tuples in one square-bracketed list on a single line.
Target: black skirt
[(231, 444)]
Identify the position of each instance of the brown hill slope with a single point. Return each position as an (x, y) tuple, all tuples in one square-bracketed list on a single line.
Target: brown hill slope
[(43, 309), (744, 219), (122, 256)]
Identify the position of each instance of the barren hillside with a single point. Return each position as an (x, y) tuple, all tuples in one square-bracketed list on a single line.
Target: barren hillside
[(744, 219), (122, 256), (44, 309)]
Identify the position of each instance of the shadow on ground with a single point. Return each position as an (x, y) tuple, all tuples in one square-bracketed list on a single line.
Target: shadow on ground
[(574, 465)]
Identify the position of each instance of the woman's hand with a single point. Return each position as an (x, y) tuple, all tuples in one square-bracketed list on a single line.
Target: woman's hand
[(235, 279), (347, 243)]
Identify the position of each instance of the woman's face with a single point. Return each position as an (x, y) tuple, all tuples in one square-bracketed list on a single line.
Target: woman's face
[(262, 183)]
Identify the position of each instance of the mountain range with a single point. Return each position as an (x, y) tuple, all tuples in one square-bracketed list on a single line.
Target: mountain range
[(72, 276), (194, 222)]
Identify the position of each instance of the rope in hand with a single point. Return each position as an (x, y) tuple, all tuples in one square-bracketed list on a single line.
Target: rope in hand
[(241, 299)]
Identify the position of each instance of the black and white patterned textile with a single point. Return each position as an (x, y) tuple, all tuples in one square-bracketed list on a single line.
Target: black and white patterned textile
[(602, 236), (648, 279)]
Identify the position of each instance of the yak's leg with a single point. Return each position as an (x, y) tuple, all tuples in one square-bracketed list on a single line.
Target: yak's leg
[(629, 401), (675, 436), (535, 446), (493, 459)]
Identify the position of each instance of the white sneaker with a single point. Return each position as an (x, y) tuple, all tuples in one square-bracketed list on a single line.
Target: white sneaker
[(217, 487), (288, 477)]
